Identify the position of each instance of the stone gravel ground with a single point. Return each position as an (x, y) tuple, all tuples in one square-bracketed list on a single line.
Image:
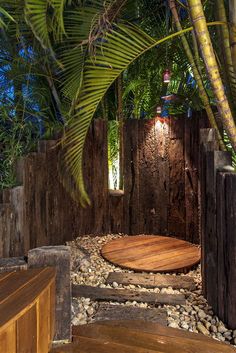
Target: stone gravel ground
[(88, 267)]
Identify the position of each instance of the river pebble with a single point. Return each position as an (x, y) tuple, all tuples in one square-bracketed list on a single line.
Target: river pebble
[(88, 267)]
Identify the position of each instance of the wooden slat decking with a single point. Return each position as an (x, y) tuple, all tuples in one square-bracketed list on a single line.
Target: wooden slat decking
[(151, 253), (138, 337), (27, 311)]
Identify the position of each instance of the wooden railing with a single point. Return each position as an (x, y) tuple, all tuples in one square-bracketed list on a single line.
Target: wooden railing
[(27, 305)]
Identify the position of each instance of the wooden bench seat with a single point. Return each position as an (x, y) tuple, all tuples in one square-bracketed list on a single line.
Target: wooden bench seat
[(27, 305)]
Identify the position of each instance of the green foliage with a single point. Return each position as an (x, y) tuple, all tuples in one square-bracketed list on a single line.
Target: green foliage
[(17, 138), (80, 48)]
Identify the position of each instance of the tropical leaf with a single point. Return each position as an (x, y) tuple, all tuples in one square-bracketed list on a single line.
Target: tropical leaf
[(5, 14), (83, 26), (45, 17), (36, 17)]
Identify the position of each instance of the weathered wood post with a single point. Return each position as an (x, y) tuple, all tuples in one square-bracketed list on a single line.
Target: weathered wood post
[(9, 264), (208, 142), (215, 160), (226, 266), (58, 257)]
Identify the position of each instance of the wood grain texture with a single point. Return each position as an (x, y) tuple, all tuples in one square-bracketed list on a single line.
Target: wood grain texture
[(123, 295), (112, 312), (226, 251), (12, 264), (151, 253), (18, 301), (8, 339), (139, 337), (151, 281), (160, 343), (43, 313), (214, 160), (59, 258), (27, 332), (25, 311), (208, 142)]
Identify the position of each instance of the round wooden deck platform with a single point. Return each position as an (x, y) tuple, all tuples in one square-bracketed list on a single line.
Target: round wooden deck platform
[(151, 253)]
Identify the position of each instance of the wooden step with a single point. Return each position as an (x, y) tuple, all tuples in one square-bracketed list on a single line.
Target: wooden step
[(112, 312), (156, 329), (151, 281), (123, 295), (158, 342), (138, 337), (93, 345)]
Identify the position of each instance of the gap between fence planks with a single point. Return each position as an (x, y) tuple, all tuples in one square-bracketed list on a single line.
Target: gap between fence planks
[(112, 312), (151, 281), (123, 295)]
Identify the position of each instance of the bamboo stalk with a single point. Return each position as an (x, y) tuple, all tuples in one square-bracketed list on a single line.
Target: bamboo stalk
[(225, 41), (232, 17), (202, 92), (203, 36)]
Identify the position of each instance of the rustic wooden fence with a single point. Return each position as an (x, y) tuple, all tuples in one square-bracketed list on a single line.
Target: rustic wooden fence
[(161, 187), (161, 179), (218, 228)]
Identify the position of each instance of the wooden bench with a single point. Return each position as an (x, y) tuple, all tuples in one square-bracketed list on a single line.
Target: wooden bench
[(27, 305)]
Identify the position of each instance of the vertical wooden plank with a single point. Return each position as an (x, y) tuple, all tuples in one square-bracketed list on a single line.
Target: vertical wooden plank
[(8, 339), (214, 161), (52, 310), (26, 328), (191, 142), (162, 178), (15, 222), (176, 216), (30, 226), (53, 194), (43, 316), (131, 177), (207, 143), (230, 249), (40, 199), (7, 222), (116, 209), (100, 168), (148, 183), (222, 256)]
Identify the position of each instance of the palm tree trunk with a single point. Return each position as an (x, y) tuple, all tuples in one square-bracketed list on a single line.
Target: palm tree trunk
[(232, 18), (202, 92), (203, 36)]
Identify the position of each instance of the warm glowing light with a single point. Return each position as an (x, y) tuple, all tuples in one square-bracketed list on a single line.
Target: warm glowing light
[(166, 76), (159, 109)]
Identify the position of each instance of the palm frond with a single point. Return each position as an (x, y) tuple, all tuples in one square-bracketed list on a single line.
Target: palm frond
[(5, 14), (36, 17), (45, 17)]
